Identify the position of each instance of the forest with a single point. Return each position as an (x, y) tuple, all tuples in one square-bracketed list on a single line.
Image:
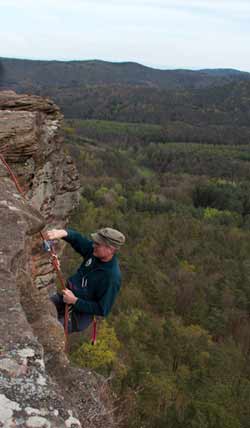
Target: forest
[(176, 346), (163, 156), (187, 106)]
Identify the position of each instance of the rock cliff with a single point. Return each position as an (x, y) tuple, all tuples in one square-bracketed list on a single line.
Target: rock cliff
[(38, 387)]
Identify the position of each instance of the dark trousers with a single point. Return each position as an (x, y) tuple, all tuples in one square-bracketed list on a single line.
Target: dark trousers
[(78, 321)]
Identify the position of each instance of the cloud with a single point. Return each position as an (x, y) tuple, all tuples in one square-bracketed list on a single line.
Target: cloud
[(194, 33), (223, 5), (227, 9)]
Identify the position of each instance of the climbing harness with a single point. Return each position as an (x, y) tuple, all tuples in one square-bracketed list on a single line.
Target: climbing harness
[(49, 248)]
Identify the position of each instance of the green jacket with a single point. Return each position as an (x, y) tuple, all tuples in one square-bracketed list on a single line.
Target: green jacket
[(95, 283)]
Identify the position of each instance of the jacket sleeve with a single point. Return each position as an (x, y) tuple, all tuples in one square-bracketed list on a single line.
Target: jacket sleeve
[(102, 306), (79, 243)]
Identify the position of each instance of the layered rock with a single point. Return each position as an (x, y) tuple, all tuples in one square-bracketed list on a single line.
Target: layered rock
[(38, 387)]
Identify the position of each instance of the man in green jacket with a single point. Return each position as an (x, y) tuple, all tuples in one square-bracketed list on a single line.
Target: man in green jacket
[(93, 288)]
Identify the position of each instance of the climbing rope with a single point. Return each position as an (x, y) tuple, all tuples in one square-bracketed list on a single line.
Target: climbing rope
[(49, 248), (20, 190), (94, 331)]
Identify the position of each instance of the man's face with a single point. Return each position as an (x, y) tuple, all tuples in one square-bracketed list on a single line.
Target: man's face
[(102, 251)]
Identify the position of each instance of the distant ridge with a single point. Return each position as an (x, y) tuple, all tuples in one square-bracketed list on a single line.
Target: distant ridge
[(22, 74), (204, 105), (224, 71)]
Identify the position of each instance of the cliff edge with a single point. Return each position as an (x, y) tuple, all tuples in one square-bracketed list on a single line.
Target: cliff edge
[(38, 388)]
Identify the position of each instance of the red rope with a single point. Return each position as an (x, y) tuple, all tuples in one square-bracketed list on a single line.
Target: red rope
[(94, 331), (55, 264), (20, 190), (53, 256)]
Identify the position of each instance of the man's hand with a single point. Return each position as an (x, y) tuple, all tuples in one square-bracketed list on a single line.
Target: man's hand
[(69, 297), (55, 234)]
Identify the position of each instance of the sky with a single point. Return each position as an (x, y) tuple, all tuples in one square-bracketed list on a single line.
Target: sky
[(164, 34)]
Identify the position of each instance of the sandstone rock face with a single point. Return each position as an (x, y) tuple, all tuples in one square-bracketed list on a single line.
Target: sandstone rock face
[(38, 388), (31, 142)]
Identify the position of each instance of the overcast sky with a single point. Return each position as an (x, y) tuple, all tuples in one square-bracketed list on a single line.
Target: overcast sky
[(158, 33)]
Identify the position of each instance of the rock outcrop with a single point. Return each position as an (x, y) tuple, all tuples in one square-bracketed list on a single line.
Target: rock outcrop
[(38, 387)]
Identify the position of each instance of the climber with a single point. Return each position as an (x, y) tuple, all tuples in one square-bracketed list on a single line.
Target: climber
[(93, 288)]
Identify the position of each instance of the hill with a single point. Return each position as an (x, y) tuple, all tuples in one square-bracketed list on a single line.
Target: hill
[(211, 106), (19, 74)]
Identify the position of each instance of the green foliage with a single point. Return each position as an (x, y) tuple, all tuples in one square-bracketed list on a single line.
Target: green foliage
[(124, 133), (197, 159), (223, 195), (69, 131), (226, 202), (205, 415), (179, 342), (101, 356), (227, 218)]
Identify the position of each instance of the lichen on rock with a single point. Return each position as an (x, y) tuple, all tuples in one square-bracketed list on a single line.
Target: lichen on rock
[(38, 387)]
